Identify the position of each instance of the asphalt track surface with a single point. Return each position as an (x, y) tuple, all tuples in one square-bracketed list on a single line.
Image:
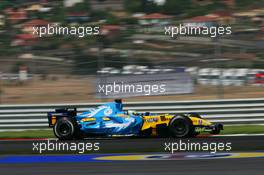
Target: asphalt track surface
[(138, 145), (212, 166), (246, 166)]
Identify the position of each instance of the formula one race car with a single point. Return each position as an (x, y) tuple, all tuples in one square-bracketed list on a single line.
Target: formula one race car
[(111, 120)]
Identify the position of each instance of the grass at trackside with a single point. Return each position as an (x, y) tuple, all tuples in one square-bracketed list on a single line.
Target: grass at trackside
[(28, 134), (244, 129)]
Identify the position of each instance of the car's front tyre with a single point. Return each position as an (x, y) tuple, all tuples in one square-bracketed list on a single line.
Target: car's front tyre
[(217, 129), (181, 126)]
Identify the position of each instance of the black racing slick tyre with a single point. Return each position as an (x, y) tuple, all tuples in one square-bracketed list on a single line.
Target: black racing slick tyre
[(217, 130), (65, 129), (181, 126)]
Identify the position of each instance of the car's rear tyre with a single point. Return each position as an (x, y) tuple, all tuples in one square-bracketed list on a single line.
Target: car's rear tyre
[(65, 129), (181, 126)]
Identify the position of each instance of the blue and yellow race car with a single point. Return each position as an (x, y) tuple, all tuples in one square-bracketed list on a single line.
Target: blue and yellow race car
[(111, 120)]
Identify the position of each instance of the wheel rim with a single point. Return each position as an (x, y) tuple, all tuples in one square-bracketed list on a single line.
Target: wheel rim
[(180, 127), (64, 129)]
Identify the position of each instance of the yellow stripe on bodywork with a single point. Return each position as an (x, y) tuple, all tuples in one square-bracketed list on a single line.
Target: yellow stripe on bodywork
[(198, 121), (153, 121), (53, 120), (88, 119)]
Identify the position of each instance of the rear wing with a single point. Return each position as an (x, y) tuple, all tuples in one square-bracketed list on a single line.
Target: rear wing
[(59, 113)]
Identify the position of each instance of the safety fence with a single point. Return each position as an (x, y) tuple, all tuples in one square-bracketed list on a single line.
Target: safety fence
[(230, 111)]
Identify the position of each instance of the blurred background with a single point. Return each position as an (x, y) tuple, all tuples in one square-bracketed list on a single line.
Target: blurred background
[(56, 68)]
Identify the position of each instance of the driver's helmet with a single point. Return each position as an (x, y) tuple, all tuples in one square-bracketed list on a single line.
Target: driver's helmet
[(130, 112)]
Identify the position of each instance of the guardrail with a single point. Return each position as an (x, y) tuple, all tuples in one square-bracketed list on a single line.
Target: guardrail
[(231, 111)]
